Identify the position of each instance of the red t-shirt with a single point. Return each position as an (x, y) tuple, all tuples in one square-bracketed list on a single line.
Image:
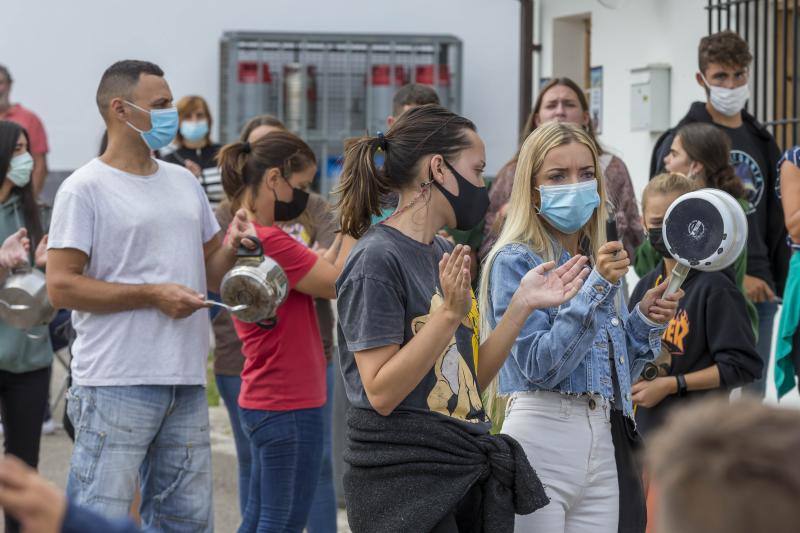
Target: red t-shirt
[(284, 367), (28, 120)]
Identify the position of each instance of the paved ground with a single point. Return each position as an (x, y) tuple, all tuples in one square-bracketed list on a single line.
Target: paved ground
[(57, 448)]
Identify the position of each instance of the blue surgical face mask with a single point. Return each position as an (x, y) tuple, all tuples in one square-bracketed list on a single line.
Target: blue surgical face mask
[(163, 126), (569, 207), (194, 130), (20, 168)]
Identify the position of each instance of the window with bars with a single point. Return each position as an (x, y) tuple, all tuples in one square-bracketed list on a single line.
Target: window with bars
[(770, 27)]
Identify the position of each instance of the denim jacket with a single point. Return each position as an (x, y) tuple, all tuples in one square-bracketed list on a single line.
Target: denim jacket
[(566, 349)]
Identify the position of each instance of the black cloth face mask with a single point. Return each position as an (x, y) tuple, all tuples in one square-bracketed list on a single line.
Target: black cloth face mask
[(285, 211), (470, 205), (656, 238)]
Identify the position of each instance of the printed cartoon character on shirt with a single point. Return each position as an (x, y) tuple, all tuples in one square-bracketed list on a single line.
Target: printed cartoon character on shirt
[(455, 393), (298, 232)]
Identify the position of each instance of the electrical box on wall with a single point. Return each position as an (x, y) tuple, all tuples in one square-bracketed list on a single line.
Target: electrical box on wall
[(650, 98)]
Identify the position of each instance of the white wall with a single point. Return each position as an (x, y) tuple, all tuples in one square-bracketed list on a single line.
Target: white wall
[(639, 33), (57, 51)]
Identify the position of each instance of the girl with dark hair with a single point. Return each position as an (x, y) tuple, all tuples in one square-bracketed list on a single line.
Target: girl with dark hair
[(562, 100), (420, 454), (702, 152), (283, 380), (25, 357)]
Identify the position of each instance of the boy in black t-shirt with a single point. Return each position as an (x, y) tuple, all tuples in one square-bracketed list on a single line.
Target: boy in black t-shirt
[(709, 344), (724, 59)]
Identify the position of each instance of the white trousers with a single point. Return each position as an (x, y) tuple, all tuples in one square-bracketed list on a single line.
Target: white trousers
[(568, 442)]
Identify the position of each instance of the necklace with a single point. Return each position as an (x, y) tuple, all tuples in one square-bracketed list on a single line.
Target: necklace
[(424, 187)]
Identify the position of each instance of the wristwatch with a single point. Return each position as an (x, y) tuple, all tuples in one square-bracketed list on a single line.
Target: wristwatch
[(682, 389)]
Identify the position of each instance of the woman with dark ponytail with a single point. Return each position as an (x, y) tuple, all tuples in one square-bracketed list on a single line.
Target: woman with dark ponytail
[(701, 152), (420, 454), (283, 380)]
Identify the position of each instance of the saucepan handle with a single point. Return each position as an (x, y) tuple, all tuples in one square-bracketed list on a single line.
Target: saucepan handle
[(244, 251), (267, 324), (677, 278)]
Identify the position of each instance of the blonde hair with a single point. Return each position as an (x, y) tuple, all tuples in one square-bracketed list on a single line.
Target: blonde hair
[(523, 224), (667, 183)]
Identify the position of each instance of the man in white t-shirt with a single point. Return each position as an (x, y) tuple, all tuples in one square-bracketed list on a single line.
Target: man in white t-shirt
[(133, 248)]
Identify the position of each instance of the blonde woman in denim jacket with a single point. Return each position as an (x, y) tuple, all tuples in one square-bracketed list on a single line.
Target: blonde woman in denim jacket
[(570, 365)]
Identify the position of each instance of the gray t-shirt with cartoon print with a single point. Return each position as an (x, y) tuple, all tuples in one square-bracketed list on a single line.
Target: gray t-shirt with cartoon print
[(387, 290)]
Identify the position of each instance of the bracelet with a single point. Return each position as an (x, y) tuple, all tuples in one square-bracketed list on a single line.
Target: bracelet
[(682, 388)]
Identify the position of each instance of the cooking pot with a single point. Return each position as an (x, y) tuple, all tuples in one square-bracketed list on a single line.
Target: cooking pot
[(256, 282), (705, 230), (23, 299)]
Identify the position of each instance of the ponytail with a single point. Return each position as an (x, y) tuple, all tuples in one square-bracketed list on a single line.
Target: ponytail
[(361, 187), (232, 159), (419, 132)]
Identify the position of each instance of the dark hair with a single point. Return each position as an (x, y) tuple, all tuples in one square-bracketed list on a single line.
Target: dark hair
[(530, 123), (188, 105), (709, 146), (244, 164), (120, 79), (725, 48), (4, 71), (260, 120), (9, 135), (413, 94), (421, 131)]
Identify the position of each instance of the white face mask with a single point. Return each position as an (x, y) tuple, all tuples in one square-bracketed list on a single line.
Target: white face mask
[(729, 102)]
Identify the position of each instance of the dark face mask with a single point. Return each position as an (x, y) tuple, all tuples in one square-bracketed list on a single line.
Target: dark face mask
[(656, 238), (291, 210), (470, 205)]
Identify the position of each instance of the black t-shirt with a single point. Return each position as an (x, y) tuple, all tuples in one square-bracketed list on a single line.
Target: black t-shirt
[(385, 294), (711, 326), (749, 162), (205, 157)]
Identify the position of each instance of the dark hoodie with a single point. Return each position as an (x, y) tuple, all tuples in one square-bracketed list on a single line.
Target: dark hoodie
[(710, 327), (754, 156)]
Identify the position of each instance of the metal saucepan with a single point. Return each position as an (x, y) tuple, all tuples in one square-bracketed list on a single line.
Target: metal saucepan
[(257, 282), (705, 230), (23, 299)]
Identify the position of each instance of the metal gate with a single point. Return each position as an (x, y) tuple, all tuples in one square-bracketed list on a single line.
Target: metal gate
[(770, 27), (329, 87)]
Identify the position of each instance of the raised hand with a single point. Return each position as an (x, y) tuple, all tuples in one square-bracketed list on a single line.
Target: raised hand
[(240, 227), (455, 281), (15, 250), (612, 261), (657, 308), (547, 286)]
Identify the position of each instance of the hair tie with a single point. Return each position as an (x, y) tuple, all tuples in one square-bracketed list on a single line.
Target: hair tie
[(383, 144), (246, 147)]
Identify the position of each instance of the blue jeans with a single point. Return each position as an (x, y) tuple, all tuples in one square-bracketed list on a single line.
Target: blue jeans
[(322, 518), (766, 323), (154, 433), (286, 449), (229, 387)]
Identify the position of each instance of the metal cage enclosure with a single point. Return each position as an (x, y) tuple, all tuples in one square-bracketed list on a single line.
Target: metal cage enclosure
[(327, 88)]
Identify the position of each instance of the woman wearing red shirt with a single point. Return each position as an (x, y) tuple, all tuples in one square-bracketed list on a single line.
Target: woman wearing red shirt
[(283, 380)]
